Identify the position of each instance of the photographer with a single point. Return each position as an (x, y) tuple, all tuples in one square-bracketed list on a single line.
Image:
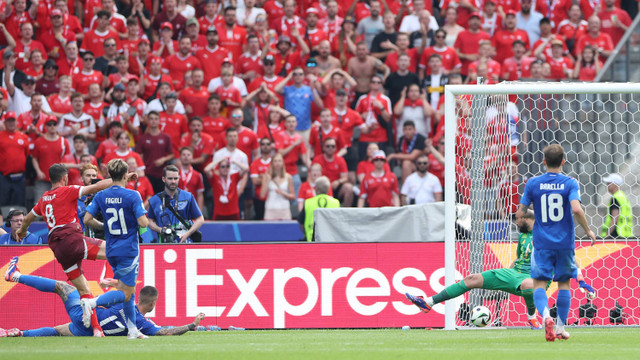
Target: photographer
[(164, 206)]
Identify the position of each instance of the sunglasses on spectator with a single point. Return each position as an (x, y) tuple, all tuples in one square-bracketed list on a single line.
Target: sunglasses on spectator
[(224, 166), (298, 74), (439, 36), (422, 163), (374, 160), (109, 45), (236, 116), (265, 144), (88, 59), (329, 146), (376, 82), (51, 124)]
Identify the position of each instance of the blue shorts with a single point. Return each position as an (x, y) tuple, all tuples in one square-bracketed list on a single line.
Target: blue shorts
[(74, 310), (125, 269), (556, 265)]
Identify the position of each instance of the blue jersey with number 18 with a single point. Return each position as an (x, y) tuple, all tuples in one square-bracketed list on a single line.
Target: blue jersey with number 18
[(121, 209), (551, 195)]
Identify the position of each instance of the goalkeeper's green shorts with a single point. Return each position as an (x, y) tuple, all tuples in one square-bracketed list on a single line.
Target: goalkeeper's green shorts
[(508, 280)]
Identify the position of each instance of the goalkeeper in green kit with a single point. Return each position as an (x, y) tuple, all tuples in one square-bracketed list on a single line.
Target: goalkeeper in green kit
[(515, 280)]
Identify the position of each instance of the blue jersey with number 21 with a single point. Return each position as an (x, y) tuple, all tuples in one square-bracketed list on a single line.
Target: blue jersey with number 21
[(551, 196), (120, 209)]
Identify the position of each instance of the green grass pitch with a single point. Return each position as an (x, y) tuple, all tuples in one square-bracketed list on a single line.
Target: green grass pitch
[(593, 343)]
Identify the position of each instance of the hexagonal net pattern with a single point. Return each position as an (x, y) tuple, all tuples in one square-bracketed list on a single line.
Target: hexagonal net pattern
[(499, 145)]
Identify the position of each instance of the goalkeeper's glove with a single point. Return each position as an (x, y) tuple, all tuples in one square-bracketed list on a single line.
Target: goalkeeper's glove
[(591, 292)]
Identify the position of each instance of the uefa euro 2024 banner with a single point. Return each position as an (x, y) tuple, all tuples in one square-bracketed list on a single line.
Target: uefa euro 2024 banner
[(273, 285)]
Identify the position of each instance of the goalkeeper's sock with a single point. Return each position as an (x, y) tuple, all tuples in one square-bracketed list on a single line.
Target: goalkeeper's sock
[(542, 302), (110, 298), (564, 304), (37, 282), (45, 331), (449, 292), (528, 300), (129, 309)]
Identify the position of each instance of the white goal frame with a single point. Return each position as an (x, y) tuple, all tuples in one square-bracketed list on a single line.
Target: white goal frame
[(450, 93)]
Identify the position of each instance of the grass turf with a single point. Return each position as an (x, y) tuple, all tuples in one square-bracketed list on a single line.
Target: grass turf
[(593, 343)]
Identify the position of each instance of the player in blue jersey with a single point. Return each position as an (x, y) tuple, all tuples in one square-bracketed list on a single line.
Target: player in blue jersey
[(123, 212), (554, 197), (111, 319)]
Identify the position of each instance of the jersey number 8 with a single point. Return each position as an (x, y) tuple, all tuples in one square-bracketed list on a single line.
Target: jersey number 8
[(551, 207), (113, 217), (48, 214)]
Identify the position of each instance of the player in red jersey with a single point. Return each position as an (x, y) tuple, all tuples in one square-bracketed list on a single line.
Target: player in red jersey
[(58, 206), (190, 179), (380, 187)]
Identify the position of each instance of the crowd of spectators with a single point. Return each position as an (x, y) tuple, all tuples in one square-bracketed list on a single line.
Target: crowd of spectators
[(253, 100)]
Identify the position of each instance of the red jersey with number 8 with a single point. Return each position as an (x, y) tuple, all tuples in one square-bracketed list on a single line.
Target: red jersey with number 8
[(58, 207)]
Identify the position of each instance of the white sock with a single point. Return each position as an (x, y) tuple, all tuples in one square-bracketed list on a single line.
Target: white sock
[(559, 326), (545, 313), (93, 302), (429, 301), (15, 277), (531, 317)]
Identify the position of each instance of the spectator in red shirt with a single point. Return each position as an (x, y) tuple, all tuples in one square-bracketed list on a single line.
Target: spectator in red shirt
[(178, 64), (450, 60), (226, 187), (14, 145), (597, 39), (211, 18), (192, 31), (308, 188), (17, 15), (140, 60), (190, 179), (94, 39), (34, 120), (249, 65), (375, 109), (202, 144), (164, 45), (156, 150), (48, 149), (324, 131), (572, 28), (543, 44), (171, 15), (258, 167), (587, 65), (561, 66), (196, 96), (615, 21), (142, 185), (503, 39), (71, 63), (493, 67), (25, 46), (173, 123), (468, 43), (228, 93), (336, 170), (212, 55), (518, 66), (291, 145), (48, 84), (88, 76), (109, 145), (117, 22), (380, 187), (366, 166), (232, 36)]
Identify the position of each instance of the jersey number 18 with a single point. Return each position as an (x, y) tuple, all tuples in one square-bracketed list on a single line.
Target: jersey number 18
[(113, 217), (551, 207)]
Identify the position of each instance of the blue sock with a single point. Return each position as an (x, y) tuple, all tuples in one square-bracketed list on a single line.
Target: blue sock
[(541, 301), (564, 304), (110, 298), (37, 282), (45, 331), (129, 308)]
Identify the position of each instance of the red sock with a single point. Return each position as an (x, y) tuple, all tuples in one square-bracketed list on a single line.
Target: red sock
[(94, 319)]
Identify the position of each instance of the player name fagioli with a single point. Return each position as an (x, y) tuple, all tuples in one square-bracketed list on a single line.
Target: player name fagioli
[(551, 186), (113, 200)]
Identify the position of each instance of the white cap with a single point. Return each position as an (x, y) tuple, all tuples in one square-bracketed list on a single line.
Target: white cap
[(379, 155), (613, 179)]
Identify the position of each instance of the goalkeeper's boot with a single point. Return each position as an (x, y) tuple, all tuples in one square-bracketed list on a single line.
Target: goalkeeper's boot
[(10, 332), (563, 335), (535, 324), (12, 271), (136, 335), (419, 302), (549, 334)]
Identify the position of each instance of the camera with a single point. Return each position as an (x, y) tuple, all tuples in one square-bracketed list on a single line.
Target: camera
[(168, 235)]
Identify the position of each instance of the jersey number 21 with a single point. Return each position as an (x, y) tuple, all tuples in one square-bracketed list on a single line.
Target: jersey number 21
[(113, 217)]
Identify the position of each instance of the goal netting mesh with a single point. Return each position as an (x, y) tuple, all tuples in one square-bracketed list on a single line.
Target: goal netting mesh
[(500, 131)]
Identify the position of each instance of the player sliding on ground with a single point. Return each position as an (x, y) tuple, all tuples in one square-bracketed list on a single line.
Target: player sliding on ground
[(112, 319), (58, 206), (123, 212), (554, 197), (515, 280)]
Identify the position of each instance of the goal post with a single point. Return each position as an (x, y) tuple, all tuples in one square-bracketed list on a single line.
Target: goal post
[(494, 136)]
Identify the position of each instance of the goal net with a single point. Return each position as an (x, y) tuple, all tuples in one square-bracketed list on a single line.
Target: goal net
[(494, 137)]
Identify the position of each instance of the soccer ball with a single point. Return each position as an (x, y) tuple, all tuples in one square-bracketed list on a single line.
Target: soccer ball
[(480, 316)]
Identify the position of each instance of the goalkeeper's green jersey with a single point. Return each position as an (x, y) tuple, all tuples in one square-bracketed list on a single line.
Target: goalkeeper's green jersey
[(525, 247)]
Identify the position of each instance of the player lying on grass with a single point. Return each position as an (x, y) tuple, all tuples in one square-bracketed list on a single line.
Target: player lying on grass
[(515, 280), (111, 319)]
